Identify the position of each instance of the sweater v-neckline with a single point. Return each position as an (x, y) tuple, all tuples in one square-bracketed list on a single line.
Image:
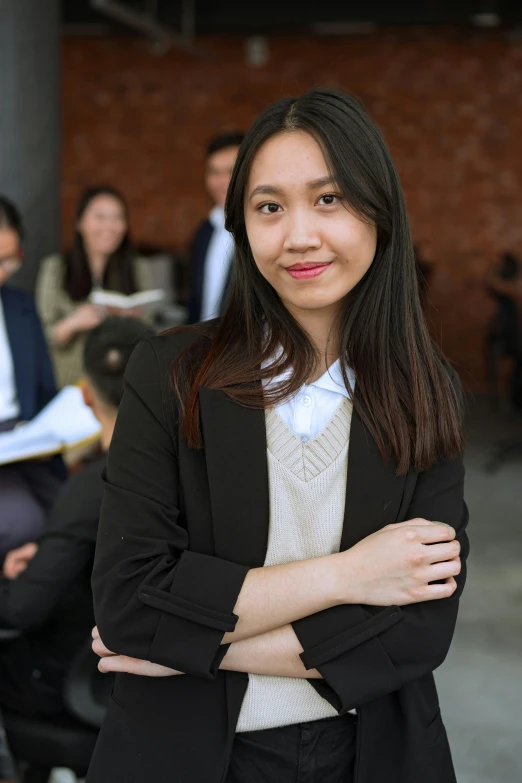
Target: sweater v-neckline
[(308, 460)]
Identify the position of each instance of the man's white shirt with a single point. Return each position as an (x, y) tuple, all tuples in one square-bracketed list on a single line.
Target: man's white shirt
[(217, 265)]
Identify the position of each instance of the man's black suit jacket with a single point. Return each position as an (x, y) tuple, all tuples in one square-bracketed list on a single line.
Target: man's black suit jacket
[(180, 529), (51, 601), (198, 260)]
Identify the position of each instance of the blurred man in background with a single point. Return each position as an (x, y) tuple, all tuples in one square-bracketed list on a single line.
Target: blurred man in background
[(213, 246)]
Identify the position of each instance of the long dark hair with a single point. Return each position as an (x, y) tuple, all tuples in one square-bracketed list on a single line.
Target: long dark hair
[(404, 391), (78, 279)]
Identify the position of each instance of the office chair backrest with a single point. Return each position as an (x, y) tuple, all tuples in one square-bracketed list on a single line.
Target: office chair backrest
[(87, 691)]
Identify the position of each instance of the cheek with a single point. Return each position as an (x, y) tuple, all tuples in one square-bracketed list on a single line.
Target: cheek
[(265, 248), (91, 227), (120, 227), (357, 245)]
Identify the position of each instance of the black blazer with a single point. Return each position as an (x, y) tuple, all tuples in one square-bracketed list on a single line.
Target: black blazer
[(179, 530), (34, 379), (51, 601), (33, 369), (198, 260)]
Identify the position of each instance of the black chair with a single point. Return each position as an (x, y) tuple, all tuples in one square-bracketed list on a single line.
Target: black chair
[(40, 744)]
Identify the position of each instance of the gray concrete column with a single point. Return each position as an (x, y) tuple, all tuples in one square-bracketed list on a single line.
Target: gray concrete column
[(30, 122)]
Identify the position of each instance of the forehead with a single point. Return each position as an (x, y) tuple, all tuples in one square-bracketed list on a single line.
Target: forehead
[(288, 158), (105, 203), (224, 158)]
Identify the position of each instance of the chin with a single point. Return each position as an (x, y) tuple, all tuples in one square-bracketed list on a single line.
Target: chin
[(310, 303)]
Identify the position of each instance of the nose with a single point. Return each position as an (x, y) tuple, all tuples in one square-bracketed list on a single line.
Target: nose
[(302, 234)]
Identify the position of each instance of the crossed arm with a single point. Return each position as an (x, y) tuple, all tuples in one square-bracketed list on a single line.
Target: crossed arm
[(405, 560), (273, 653), (157, 600)]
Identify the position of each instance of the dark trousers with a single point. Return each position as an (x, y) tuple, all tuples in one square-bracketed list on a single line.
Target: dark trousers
[(321, 751), (27, 491)]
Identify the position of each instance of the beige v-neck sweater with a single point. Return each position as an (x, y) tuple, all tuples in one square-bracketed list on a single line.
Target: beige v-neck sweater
[(307, 489)]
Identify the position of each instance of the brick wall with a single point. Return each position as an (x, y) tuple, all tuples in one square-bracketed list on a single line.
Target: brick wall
[(450, 106)]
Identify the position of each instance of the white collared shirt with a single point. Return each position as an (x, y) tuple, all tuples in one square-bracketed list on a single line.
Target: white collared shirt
[(308, 413), (9, 407), (217, 265)]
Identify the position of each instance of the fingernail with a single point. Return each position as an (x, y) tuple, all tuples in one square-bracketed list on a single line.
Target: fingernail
[(435, 522)]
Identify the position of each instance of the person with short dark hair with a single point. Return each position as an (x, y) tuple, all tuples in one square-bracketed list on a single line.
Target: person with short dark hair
[(46, 592), (27, 489), (213, 246), (102, 255)]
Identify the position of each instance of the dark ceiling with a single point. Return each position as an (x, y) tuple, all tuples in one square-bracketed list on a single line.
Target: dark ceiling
[(252, 16)]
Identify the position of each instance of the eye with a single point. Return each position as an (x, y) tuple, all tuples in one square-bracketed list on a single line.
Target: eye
[(329, 199), (268, 208)]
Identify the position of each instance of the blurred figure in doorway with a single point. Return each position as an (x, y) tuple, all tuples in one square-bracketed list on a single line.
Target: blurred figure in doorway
[(213, 246), (504, 283), (504, 337)]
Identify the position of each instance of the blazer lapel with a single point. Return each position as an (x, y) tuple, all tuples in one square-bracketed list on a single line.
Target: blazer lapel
[(235, 452), (19, 335), (373, 491), (202, 245)]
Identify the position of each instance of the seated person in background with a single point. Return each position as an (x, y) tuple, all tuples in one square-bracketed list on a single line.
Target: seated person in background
[(48, 594), (101, 256), (27, 489)]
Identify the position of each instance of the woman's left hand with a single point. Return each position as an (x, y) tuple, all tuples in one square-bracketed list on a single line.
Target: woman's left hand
[(110, 662)]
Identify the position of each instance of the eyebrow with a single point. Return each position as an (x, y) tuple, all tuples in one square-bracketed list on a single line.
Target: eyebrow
[(272, 190)]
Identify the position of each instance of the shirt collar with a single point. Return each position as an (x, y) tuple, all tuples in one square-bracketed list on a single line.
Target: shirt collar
[(217, 217), (331, 380)]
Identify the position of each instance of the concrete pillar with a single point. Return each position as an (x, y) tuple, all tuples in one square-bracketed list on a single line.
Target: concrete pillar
[(30, 122)]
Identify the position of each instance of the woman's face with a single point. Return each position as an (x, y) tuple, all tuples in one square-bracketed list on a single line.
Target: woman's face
[(304, 240), (103, 225), (10, 255)]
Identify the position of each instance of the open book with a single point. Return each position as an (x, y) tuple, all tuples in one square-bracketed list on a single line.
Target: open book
[(66, 422), (124, 302)]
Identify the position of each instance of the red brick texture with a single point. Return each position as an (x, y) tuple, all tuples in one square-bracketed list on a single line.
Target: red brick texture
[(450, 106)]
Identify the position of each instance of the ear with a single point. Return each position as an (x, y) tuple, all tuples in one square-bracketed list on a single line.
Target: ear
[(88, 396)]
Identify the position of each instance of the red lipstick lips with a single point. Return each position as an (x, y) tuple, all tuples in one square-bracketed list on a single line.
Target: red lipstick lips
[(307, 271)]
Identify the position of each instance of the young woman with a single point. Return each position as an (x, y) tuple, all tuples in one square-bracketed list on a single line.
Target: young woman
[(27, 489), (270, 557), (102, 256)]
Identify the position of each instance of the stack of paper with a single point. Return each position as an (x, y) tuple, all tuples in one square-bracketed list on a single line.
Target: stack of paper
[(66, 422)]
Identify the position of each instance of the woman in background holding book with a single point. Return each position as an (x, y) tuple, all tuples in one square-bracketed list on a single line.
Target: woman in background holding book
[(27, 489), (102, 257)]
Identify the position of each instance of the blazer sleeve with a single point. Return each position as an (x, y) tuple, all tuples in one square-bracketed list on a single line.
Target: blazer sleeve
[(154, 598), (364, 652), (65, 552)]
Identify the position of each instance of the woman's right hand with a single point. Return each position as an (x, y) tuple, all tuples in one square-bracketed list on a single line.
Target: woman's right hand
[(87, 316), (398, 564)]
